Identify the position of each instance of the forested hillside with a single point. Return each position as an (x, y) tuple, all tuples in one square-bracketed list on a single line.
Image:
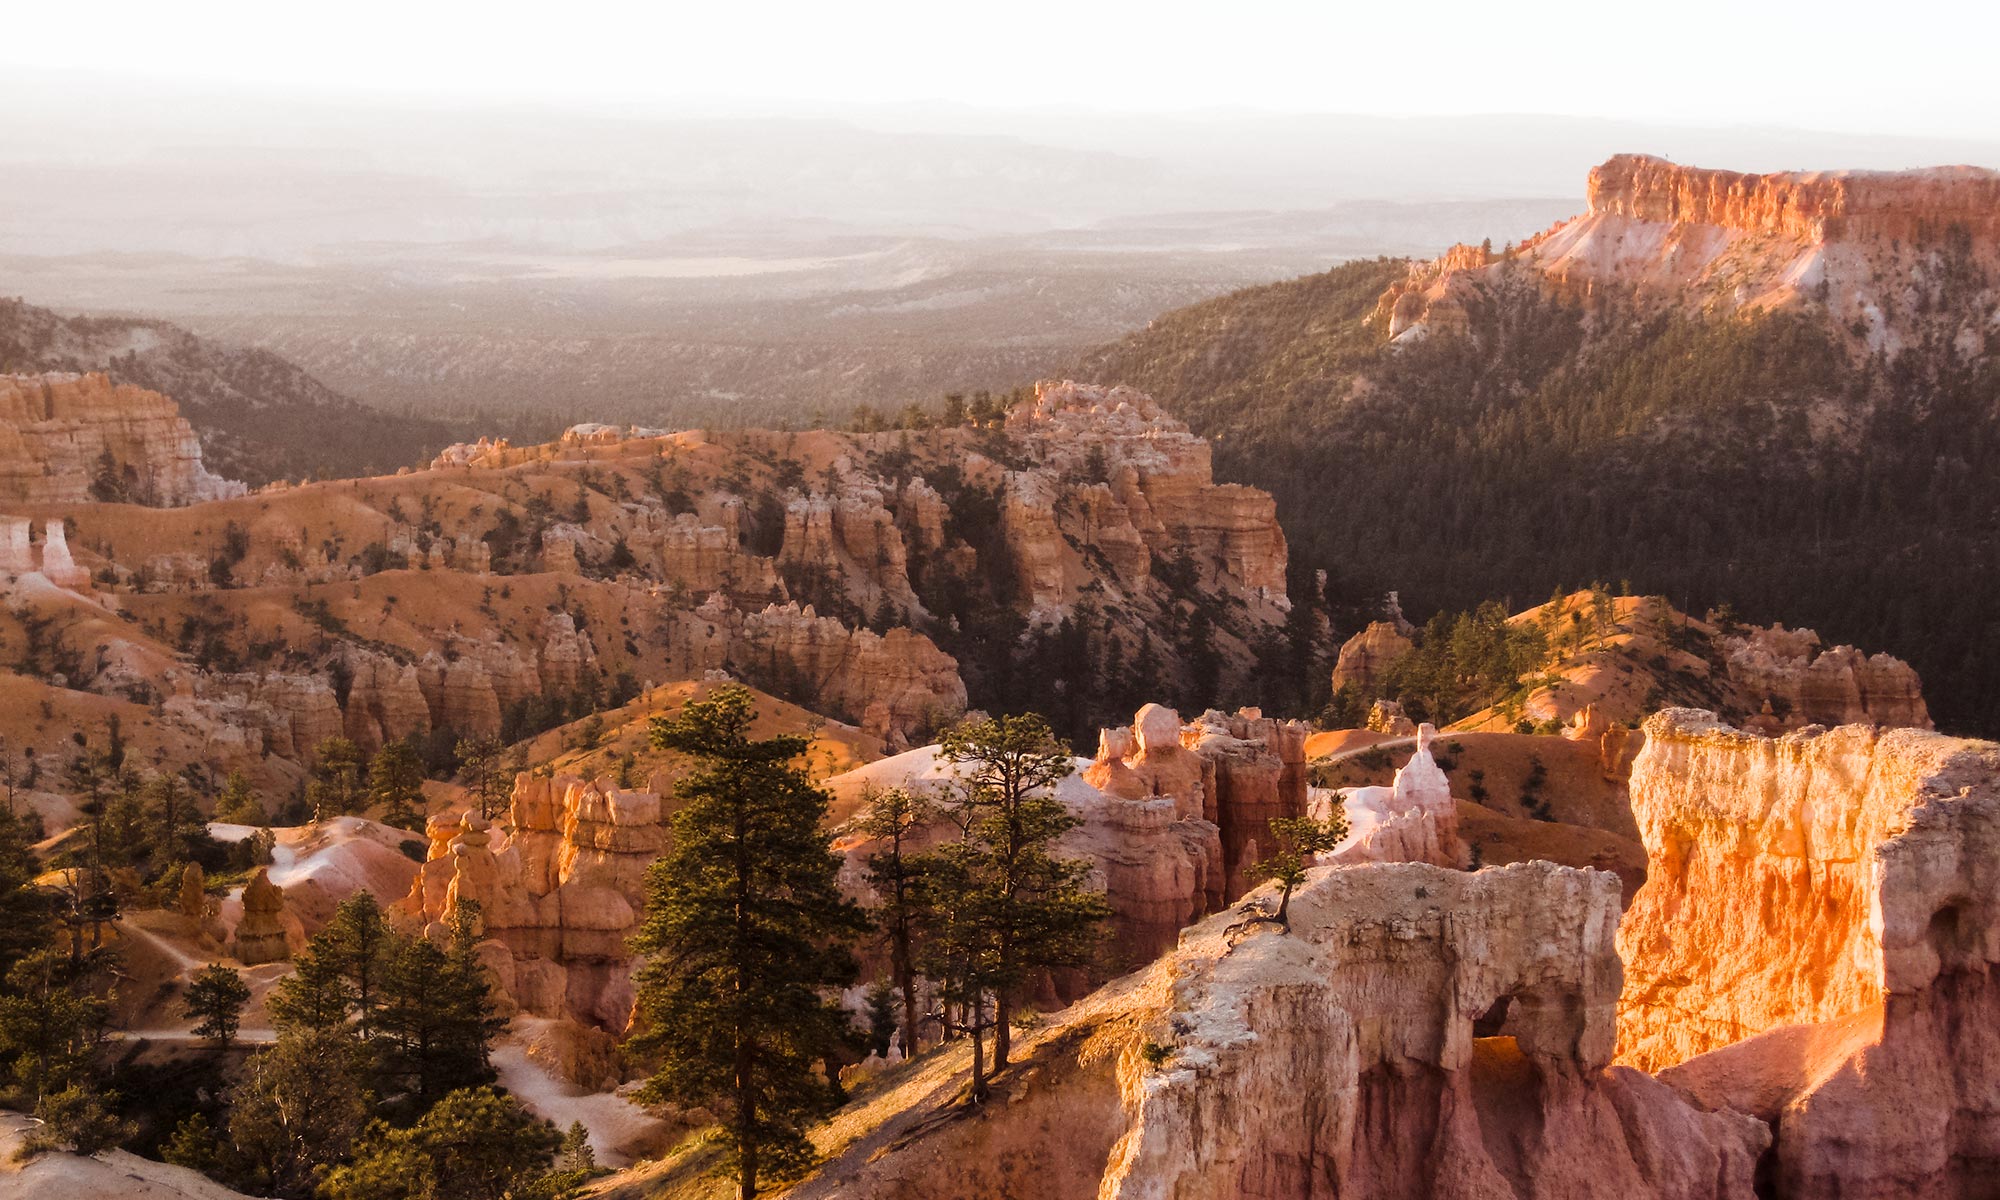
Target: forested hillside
[(1752, 459)]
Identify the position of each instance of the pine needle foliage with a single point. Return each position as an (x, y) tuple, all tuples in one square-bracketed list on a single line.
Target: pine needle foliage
[(746, 935)]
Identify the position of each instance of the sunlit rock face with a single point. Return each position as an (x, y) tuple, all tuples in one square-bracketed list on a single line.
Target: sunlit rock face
[(1863, 246), (559, 890), (1419, 1033), (1815, 206), (59, 433), (1835, 892), (1786, 669), (1809, 824), (260, 934), (1253, 772)]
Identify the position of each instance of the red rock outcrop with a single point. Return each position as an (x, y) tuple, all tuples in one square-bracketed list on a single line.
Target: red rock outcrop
[(385, 699), (1815, 206), (1253, 771), (1172, 813), (1863, 246), (1419, 1034), (898, 683), (1804, 685), (1865, 961), (559, 890), (260, 933), (1156, 859), (853, 537), (1366, 655), (1157, 492), (55, 430)]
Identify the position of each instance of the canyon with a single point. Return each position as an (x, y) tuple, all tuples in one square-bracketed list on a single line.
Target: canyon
[(1703, 383), (505, 586), (1688, 907), (1422, 1031)]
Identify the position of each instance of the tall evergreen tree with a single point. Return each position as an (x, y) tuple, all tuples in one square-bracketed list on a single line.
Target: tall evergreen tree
[(746, 932), (1029, 908), (337, 786), (897, 874), (314, 997), (484, 769), (357, 942), (436, 1022), (24, 908), (298, 1108), (215, 999), (396, 785)]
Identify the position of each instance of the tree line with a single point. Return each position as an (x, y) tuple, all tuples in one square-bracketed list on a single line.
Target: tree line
[(1748, 459)]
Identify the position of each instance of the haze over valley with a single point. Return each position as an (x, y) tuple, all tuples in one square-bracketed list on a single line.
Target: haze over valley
[(1085, 602)]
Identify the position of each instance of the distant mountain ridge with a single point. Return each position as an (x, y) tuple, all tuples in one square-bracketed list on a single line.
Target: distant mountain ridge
[(1779, 392), (259, 417)]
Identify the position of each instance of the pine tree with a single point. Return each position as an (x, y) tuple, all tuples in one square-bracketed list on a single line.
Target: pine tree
[(215, 999), (24, 908), (575, 1153), (1298, 839), (436, 1022), (315, 997), (745, 931), (356, 943), (474, 1144), (174, 831), (88, 898), (1015, 908), (51, 1023), (298, 1108), (108, 485), (195, 1144), (396, 785), (484, 769), (881, 1017), (897, 874), (336, 788), (238, 804)]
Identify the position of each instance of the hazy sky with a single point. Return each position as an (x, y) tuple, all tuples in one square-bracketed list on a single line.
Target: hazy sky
[(1908, 68)]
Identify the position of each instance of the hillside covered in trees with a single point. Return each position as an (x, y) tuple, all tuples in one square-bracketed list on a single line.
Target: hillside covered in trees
[(1767, 458)]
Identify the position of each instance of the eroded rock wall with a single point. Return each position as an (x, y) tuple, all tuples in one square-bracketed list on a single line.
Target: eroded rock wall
[(1419, 1033), (1814, 206), (57, 429), (1768, 860), (1835, 893)]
